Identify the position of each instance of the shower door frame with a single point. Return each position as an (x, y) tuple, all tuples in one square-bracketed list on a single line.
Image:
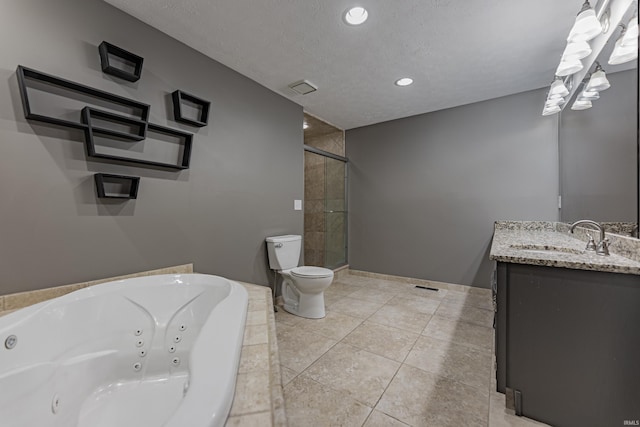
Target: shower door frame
[(345, 160)]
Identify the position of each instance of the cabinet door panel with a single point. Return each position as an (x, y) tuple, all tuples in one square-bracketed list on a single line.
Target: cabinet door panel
[(573, 342)]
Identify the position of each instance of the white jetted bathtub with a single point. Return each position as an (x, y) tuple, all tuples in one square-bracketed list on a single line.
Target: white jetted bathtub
[(146, 352)]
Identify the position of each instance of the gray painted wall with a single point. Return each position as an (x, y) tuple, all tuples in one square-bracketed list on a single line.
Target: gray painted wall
[(598, 155), (424, 191), (246, 168)]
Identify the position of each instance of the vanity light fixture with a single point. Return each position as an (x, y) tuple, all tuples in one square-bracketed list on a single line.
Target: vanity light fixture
[(555, 101), (305, 125), (598, 80), (558, 88), (576, 50), (405, 81), (581, 104), (356, 15), (590, 95), (550, 109), (547, 111), (623, 53), (587, 25), (555, 98), (553, 106), (568, 67)]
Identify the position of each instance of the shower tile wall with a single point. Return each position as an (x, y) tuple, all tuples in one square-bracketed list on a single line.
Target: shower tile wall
[(332, 142), (316, 252)]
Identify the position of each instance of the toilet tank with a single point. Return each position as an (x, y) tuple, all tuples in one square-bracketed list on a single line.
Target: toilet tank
[(284, 251)]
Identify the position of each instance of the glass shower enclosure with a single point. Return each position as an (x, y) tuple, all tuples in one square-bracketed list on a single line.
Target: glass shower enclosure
[(325, 214)]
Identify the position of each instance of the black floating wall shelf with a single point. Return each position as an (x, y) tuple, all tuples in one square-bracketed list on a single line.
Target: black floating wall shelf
[(97, 119), (199, 105), (185, 138), (116, 186), (120, 63), (96, 122), (27, 76)]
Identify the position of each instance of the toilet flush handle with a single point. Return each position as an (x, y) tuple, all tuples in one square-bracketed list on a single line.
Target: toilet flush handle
[(278, 245)]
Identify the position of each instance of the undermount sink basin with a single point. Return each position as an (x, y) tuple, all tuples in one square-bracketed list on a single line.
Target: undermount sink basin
[(544, 249)]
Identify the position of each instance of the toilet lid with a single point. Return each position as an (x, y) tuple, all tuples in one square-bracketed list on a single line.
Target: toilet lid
[(311, 272)]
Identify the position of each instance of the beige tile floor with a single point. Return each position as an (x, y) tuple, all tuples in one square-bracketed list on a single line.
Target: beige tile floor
[(388, 354)]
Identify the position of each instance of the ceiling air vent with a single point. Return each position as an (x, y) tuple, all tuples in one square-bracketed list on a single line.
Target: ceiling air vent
[(303, 87)]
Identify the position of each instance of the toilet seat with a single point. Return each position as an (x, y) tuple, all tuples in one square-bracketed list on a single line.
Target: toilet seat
[(311, 272)]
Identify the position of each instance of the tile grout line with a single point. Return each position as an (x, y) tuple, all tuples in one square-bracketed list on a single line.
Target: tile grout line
[(402, 363), (402, 290)]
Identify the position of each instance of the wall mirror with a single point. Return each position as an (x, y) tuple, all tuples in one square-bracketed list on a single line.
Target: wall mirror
[(598, 152)]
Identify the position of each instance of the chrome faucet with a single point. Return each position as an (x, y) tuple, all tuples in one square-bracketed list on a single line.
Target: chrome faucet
[(603, 245)]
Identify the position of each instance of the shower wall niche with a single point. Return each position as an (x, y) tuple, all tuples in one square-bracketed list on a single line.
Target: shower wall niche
[(325, 184)]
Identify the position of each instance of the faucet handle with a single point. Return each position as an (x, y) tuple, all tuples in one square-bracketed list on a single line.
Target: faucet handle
[(591, 244), (603, 247)]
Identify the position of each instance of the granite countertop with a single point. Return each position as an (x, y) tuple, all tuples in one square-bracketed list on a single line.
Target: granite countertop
[(550, 244)]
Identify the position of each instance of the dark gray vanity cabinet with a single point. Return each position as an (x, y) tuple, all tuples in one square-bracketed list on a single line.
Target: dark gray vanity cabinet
[(568, 344)]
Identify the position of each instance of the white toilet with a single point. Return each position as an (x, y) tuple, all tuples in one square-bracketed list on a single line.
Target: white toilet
[(302, 287)]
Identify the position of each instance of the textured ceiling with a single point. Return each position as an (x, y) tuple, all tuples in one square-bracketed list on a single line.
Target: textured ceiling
[(457, 51)]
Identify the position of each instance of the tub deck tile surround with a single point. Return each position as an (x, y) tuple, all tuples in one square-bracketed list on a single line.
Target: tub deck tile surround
[(389, 371), (258, 399), (339, 272), (25, 299)]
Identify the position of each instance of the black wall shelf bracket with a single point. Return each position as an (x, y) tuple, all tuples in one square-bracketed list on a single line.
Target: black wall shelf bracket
[(25, 75), (202, 106), (116, 186), (89, 115), (112, 56)]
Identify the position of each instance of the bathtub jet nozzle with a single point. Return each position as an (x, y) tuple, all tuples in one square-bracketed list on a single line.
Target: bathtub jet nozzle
[(10, 342)]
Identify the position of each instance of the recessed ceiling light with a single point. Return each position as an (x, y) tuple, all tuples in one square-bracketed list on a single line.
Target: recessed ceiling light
[(405, 81), (356, 15)]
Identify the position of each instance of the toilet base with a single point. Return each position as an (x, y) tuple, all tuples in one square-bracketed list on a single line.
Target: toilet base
[(310, 306)]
